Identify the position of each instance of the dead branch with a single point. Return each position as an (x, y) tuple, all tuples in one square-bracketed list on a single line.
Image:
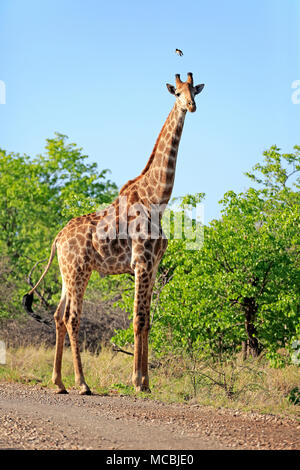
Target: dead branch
[(117, 349), (29, 281)]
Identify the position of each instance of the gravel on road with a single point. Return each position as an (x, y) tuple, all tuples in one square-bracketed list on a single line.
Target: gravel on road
[(34, 417)]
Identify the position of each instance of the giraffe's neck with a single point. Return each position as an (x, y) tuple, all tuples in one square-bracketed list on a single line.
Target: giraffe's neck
[(158, 176)]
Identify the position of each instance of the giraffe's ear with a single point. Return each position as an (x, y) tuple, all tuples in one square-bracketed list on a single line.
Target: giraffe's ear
[(171, 89), (198, 89)]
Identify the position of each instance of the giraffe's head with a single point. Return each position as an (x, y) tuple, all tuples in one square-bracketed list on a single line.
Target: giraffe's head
[(185, 92)]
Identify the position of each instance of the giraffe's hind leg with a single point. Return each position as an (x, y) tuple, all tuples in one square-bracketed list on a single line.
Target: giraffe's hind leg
[(60, 337), (71, 320)]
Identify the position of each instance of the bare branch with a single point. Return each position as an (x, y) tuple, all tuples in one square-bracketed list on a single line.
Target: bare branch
[(117, 349), (29, 281), (165, 280)]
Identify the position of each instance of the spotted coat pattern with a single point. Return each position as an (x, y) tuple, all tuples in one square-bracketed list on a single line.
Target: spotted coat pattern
[(103, 241)]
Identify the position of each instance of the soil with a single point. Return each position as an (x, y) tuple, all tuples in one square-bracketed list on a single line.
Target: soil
[(33, 417), (98, 323)]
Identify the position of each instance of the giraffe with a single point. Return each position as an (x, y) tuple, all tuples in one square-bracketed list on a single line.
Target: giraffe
[(125, 237)]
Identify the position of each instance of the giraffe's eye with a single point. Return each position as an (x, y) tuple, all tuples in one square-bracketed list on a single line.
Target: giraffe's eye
[(177, 94)]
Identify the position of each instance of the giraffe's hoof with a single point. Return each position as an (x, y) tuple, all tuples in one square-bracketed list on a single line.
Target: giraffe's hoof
[(85, 392), (143, 388), (62, 391)]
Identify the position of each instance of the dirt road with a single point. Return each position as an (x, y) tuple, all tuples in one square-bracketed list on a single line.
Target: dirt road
[(36, 418)]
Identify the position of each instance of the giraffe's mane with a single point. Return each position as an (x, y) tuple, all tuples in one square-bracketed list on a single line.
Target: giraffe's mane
[(130, 182)]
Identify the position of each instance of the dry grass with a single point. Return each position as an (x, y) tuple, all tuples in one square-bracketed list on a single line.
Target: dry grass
[(250, 385)]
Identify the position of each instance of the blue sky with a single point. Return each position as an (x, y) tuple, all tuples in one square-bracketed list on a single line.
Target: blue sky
[(96, 71)]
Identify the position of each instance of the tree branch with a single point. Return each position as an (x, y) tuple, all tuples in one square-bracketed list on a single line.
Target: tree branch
[(264, 282), (29, 281), (117, 349)]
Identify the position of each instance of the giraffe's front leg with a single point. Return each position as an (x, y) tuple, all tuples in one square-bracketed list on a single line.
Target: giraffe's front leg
[(140, 378), (145, 375), (145, 333)]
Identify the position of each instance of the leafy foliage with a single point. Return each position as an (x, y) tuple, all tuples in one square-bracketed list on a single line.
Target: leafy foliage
[(238, 291), (37, 198), (242, 287)]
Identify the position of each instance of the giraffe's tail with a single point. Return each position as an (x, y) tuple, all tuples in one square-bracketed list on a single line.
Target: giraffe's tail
[(28, 298)]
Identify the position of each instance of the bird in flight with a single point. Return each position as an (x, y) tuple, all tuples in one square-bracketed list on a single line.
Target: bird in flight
[(179, 52)]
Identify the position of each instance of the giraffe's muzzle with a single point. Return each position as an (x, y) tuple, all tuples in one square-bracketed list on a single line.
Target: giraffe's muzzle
[(192, 106)]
